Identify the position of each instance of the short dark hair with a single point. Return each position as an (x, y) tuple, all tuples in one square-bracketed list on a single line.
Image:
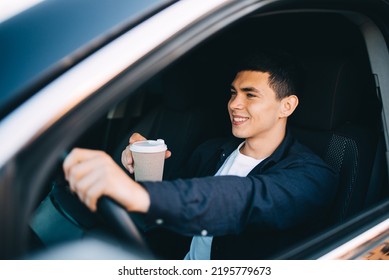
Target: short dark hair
[(285, 71)]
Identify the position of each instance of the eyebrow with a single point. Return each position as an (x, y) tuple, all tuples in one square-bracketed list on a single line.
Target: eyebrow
[(246, 89)]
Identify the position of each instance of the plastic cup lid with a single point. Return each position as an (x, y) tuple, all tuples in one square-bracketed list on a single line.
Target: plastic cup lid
[(149, 146)]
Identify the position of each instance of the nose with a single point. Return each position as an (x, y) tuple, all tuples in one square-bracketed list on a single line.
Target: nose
[(236, 102)]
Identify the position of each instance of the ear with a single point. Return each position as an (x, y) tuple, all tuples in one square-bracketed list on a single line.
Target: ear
[(288, 105)]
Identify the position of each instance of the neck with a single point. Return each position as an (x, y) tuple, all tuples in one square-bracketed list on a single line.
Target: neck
[(263, 146)]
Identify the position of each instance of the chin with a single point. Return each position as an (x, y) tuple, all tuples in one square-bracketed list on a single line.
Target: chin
[(238, 135)]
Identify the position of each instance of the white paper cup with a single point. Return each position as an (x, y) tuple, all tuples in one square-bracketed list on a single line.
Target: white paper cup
[(149, 159)]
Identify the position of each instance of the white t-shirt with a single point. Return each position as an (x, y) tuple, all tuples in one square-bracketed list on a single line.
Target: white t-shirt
[(236, 164)]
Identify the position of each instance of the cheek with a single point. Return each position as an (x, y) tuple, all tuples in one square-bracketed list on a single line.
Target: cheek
[(257, 110), (264, 111)]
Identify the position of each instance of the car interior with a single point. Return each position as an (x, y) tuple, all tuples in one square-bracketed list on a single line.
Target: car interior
[(339, 115)]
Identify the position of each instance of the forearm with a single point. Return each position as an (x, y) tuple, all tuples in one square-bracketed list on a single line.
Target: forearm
[(227, 204), (191, 206)]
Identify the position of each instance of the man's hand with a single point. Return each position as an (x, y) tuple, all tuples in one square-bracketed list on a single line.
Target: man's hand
[(92, 174), (127, 159)]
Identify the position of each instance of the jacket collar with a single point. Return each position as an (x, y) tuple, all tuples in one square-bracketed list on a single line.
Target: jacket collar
[(275, 157)]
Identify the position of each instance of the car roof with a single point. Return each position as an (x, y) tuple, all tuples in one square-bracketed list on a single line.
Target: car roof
[(44, 40)]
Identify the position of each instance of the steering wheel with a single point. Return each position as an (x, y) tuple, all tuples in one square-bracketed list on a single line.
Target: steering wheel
[(121, 222), (115, 216)]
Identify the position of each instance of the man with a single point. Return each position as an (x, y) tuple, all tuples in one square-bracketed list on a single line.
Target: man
[(241, 198)]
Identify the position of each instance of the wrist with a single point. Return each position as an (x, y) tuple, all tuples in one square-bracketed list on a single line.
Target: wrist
[(138, 199)]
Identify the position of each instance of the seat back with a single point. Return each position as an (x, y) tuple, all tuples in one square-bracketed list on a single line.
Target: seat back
[(338, 119)]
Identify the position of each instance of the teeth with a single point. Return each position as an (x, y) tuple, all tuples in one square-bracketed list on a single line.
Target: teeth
[(239, 119)]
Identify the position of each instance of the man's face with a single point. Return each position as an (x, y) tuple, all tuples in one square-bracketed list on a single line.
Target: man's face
[(253, 107)]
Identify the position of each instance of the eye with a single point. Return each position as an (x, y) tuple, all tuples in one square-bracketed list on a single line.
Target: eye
[(233, 92), (250, 95)]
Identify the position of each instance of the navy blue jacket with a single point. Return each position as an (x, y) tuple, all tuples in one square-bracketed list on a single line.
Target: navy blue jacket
[(283, 199)]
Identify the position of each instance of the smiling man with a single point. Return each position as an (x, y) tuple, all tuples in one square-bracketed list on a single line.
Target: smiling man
[(241, 198), (258, 114)]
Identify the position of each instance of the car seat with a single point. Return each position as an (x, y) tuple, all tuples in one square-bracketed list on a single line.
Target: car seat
[(338, 118)]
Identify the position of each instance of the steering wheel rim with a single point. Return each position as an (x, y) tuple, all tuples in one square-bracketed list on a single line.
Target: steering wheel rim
[(110, 212), (121, 222)]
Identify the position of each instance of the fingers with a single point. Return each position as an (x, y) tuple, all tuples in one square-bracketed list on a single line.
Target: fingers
[(92, 195), (88, 173), (92, 174), (76, 156), (127, 160), (168, 154), (136, 137), (83, 170), (89, 190)]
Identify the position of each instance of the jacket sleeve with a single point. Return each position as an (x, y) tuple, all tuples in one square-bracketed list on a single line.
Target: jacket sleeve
[(281, 198)]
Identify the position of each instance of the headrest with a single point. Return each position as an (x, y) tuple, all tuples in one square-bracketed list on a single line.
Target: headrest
[(334, 90)]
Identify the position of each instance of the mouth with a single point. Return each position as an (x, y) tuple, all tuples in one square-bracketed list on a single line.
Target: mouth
[(238, 120)]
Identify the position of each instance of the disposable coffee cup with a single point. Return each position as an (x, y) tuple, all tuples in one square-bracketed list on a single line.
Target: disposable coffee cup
[(149, 159)]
